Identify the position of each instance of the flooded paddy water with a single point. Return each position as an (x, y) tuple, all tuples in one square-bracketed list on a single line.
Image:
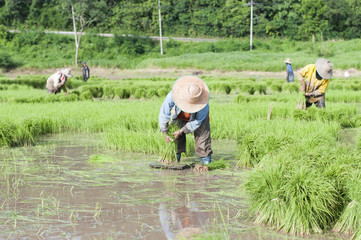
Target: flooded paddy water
[(52, 191)]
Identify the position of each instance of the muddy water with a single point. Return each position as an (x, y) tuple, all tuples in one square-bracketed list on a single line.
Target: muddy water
[(51, 191)]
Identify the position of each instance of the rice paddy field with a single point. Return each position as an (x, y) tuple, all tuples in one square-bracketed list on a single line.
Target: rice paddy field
[(77, 166)]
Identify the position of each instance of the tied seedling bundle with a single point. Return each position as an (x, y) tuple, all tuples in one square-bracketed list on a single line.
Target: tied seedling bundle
[(301, 101), (169, 155)]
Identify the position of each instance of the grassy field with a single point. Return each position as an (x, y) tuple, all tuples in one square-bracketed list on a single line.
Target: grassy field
[(42, 51), (305, 164)]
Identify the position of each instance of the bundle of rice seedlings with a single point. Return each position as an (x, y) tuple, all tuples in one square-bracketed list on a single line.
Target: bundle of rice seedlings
[(311, 202), (169, 155), (220, 164), (266, 196), (301, 102), (297, 200), (350, 220)]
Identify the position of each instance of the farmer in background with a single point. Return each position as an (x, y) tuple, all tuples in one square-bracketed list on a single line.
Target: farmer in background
[(290, 76), (314, 80), (86, 71), (57, 81), (187, 105)]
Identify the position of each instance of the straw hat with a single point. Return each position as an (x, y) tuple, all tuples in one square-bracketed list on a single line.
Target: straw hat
[(66, 72), (190, 94), (324, 68), (288, 60)]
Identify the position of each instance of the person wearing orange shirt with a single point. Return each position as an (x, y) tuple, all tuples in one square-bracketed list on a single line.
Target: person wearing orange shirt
[(187, 105)]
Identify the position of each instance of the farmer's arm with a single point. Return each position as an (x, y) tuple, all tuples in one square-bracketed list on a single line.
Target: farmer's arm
[(321, 90), (301, 77), (88, 75), (192, 125), (165, 112)]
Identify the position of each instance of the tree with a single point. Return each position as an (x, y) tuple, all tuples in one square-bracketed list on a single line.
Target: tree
[(84, 13), (15, 11), (314, 17)]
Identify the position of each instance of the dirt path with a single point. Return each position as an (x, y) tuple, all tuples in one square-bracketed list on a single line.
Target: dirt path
[(117, 74)]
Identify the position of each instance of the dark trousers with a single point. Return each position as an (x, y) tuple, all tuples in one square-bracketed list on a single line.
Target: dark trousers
[(319, 104), (53, 91), (202, 139)]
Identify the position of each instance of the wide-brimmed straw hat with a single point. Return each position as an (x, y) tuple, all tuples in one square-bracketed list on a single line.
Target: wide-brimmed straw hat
[(190, 94), (288, 60), (324, 68), (66, 72)]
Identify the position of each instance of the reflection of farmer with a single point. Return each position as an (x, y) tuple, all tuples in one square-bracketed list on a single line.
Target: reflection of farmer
[(314, 79), (57, 81), (179, 223), (290, 76), (187, 105), (86, 71)]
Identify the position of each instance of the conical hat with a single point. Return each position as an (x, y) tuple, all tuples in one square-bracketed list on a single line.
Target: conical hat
[(190, 94), (66, 72), (288, 60), (324, 68)]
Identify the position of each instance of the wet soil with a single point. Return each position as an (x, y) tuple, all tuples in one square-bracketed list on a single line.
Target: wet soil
[(51, 191)]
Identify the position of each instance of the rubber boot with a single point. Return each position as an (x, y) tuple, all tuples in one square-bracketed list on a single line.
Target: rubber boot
[(179, 157), (206, 160)]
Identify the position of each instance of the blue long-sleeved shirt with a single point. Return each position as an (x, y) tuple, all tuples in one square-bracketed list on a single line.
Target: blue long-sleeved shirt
[(289, 68), (165, 115)]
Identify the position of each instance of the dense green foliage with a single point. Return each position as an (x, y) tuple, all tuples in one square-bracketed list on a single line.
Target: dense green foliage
[(40, 50), (295, 19)]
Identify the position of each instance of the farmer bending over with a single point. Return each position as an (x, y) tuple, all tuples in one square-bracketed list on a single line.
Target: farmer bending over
[(314, 79), (57, 81), (187, 105)]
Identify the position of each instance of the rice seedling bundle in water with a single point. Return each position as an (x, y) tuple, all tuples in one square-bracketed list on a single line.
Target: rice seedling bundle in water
[(169, 154)]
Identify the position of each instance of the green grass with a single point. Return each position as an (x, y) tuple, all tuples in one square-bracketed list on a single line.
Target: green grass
[(301, 180), (38, 50)]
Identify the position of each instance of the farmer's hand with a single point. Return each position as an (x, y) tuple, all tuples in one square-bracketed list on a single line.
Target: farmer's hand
[(308, 94), (167, 138), (177, 133)]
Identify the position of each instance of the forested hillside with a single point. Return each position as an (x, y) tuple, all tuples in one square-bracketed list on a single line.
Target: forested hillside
[(294, 19)]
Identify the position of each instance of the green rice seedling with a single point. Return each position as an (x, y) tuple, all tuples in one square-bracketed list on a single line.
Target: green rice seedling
[(311, 201), (275, 87), (169, 154), (350, 220), (291, 87), (266, 195), (86, 95), (139, 93), (226, 88), (220, 164), (254, 146), (241, 99), (100, 158), (261, 88), (297, 200), (162, 92), (152, 92)]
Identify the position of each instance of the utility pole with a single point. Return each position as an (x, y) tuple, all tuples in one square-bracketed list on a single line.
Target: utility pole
[(251, 23), (251, 28), (160, 29)]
